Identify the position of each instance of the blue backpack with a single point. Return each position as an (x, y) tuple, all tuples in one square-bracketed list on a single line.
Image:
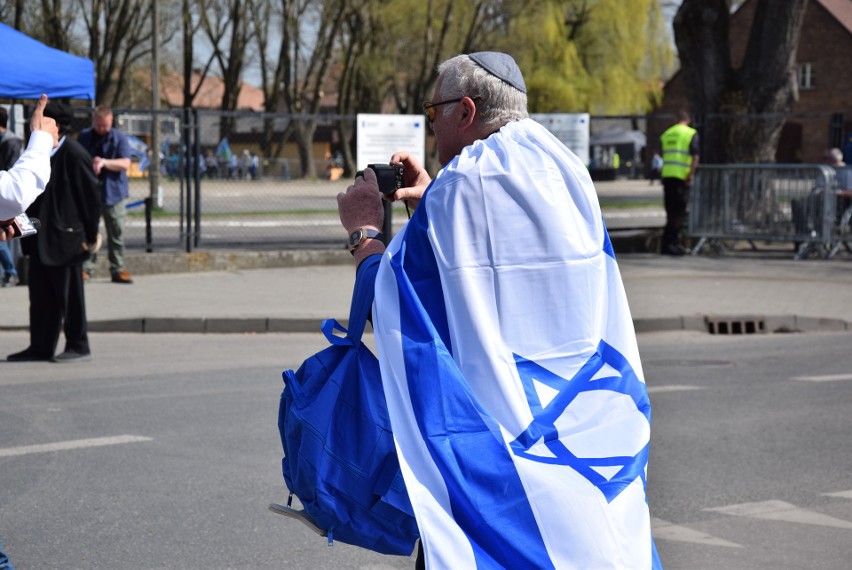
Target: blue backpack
[(339, 454)]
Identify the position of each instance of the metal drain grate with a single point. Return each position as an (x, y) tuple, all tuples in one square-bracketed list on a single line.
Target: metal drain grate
[(735, 325)]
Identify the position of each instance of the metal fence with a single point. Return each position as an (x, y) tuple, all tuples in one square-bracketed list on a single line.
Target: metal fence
[(244, 190), (253, 193), (769, 203)]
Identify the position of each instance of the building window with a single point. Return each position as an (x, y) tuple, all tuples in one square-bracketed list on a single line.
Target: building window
[(806, 77)]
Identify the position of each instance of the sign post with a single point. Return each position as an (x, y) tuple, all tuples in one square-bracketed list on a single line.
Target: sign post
[(572, 129), (380, 136)]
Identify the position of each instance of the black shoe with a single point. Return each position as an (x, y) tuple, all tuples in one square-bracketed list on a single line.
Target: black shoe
[(72, 356), (676, 250), (28, 355)]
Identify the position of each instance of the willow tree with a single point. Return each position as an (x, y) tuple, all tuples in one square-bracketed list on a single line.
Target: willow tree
[(752, 98), (597, 56)]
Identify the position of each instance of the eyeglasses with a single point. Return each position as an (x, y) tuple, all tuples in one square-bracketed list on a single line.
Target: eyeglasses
[(429, 106)]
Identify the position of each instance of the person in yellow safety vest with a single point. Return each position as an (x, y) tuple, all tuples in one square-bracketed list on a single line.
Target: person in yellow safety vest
[(680, 159)]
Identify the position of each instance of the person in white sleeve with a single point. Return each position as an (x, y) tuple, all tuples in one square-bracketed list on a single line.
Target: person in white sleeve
[(22, 184)]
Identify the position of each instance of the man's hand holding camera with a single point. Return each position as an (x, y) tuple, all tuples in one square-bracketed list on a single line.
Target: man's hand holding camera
[(360, 208), (415, 179)]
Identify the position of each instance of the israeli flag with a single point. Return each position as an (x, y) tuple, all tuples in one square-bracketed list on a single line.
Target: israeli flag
[(510, 366), (138, 150), (223, 150)]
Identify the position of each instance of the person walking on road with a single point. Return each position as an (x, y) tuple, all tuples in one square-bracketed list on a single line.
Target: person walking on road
[(110, 152), (680, 160), (508, 355)]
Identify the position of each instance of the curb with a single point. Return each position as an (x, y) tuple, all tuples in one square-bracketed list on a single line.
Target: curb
[(774, 324)]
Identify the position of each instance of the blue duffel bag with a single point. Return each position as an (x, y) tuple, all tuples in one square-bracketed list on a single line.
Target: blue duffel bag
[(339, 454)]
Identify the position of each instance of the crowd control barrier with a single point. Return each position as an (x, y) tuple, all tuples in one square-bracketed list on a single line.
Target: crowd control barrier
[(769, 203)]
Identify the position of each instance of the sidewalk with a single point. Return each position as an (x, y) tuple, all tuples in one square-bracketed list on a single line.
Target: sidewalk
[(664, 293)]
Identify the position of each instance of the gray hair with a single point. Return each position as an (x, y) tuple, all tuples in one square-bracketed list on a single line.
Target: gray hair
[(833, 156), (497, 102)]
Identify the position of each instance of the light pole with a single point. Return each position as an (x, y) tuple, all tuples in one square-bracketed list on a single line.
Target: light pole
[(154, 162)]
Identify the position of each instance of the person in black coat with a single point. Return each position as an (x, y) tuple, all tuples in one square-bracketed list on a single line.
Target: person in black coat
[(69, 211)]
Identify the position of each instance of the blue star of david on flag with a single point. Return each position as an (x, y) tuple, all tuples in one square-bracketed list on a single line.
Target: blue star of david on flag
[(597, 423)]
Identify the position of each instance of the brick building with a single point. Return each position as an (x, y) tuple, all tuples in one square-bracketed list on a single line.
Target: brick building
[(822, 116)]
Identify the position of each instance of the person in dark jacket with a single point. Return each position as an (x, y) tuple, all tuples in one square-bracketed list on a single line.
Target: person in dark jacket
[(69, 210)]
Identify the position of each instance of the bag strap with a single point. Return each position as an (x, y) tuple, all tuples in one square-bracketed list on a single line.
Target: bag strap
[(363, 295)]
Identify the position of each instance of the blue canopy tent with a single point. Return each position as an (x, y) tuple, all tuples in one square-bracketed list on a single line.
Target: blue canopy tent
[(31, 68)]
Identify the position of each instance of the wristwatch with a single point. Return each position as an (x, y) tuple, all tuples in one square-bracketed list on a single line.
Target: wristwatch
[(361, 235)]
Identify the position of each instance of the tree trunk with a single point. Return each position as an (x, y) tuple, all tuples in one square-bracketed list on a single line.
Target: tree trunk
[(740, 111), (304, 130)]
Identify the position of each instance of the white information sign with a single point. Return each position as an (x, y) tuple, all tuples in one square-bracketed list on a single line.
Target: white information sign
[(570, 128), (380, 136)]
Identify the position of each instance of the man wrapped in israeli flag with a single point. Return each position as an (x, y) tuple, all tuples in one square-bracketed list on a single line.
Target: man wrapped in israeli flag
[(507, 350)]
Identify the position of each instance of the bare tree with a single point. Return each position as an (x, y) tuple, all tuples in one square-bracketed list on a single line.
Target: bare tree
[(295, 79), (267, 17), (56, 18), (356, 89), (390, 52), (763, 86), (226, 24), (13, 12), (190, 25), (446, 31), (119, 33)]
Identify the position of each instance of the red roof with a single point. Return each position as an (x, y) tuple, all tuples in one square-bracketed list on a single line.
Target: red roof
[(841, 10), (210, 94)]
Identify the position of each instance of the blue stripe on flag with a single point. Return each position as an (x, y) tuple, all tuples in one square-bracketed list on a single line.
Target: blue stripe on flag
[(422, 272), (607, 246), (486, 495)]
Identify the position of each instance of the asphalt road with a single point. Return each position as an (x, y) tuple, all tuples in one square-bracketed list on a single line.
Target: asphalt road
[(167, 453)]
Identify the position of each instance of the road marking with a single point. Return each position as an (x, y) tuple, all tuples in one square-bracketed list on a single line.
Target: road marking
[(824, 378), (842, 494), (667, 531), (673, 388), (74, 444), (781, 511)]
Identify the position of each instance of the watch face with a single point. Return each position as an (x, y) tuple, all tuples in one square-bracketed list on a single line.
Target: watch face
[(355, 238)]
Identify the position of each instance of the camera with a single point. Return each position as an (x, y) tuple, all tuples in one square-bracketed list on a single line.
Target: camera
[(21, 226), (388, 176)]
